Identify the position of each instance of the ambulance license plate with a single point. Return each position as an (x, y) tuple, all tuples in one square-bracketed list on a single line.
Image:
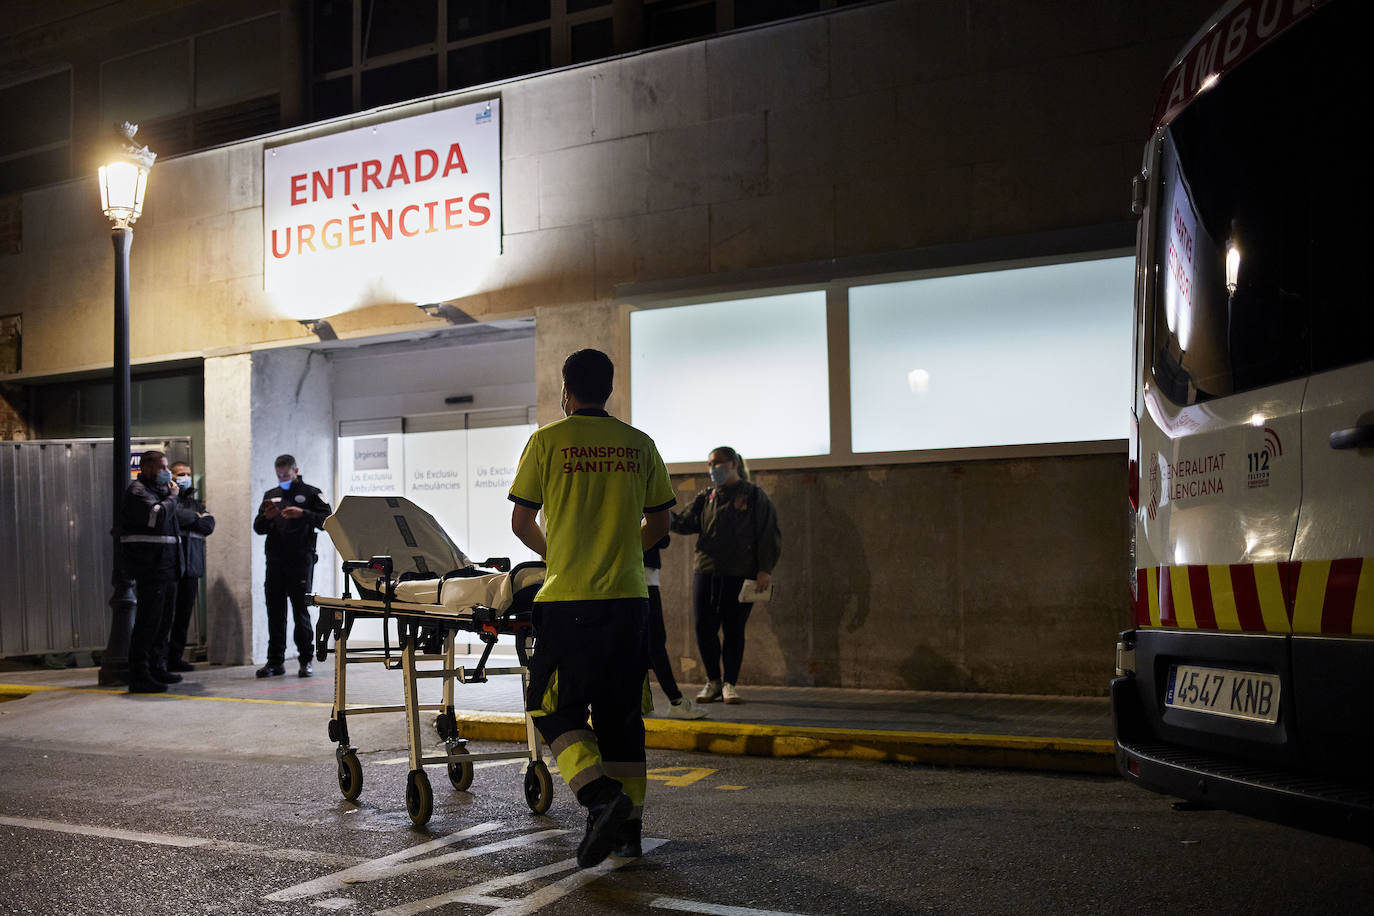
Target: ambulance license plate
[(1222, 692)]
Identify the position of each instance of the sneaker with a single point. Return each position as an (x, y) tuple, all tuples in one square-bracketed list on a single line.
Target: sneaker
[(271, 670), (710, 693), (603, 825), (179, 664), (627, 845), (730, 694), (307, 669), (164, 676), (684, 709)]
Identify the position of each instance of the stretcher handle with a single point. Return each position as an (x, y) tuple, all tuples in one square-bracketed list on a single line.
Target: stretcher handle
[(379, 565), (500, 564)]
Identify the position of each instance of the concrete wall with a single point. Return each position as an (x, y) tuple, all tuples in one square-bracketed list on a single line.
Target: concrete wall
[(1001, 576)]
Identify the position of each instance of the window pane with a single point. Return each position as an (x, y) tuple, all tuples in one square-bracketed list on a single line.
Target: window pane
[(468, 18), (333, 98), (1007, 357), (496, 60), (331, 35), (750, 373), (592, 41), (238, 62), (34, 170), (752, 12), (410, 80), (36, 113), (577, 6), (146, 86), (394, 25), (665, 23)]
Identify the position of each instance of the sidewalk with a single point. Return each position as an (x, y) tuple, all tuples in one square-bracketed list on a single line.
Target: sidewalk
[(953, 729)]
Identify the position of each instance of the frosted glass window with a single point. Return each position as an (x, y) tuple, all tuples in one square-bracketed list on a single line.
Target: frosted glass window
[(1007, 357), (748, 373)]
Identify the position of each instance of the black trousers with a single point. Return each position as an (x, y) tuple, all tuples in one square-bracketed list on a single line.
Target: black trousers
[(658, 647), (188, 589), (152, 620), (715, 604), (288, 581)]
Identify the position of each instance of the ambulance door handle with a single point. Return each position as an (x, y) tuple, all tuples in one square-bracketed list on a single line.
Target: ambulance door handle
[(1354, 437)]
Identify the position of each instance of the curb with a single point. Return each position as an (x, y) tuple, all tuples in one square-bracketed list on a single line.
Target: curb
[(1064, 755)]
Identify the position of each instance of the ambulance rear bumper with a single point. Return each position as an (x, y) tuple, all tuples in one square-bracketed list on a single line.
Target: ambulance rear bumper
[(1216, 780)]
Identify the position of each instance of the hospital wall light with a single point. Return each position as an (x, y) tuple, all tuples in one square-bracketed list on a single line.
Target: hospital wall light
[(319, 327), (450, 313)]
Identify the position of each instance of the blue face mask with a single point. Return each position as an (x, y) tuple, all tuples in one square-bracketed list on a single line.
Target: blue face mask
[(285, 484), (164, 477), (719, 474)]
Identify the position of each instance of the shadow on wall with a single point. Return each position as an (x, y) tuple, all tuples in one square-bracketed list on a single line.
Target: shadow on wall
[(226, 638)]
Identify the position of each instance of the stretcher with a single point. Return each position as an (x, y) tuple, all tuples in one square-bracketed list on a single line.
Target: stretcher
[(398, 581)]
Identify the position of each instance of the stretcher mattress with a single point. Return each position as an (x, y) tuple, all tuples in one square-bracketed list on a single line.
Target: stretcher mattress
[(373, 526)]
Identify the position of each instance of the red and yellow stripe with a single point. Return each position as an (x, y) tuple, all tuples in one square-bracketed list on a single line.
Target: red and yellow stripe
[(1313, 596)]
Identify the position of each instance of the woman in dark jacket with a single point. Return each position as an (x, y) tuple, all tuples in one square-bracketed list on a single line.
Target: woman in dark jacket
[(737, 539)]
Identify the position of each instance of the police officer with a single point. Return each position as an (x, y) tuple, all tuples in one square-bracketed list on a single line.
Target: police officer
[(195, 523), (289, 514), (151, 550), (593, 476)]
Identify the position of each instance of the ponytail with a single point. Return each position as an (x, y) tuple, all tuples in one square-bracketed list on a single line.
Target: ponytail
[(736, 457)]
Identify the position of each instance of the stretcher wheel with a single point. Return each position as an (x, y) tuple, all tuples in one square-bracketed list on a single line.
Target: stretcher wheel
[(460, 774), (538, 787), (350, 776), (419, 798)]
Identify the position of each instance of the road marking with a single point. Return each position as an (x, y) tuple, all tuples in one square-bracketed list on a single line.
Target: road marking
[(181, 842), (731, 788), (334, 903), (405, 861), (714, 909), (481, 894), (685, 776)]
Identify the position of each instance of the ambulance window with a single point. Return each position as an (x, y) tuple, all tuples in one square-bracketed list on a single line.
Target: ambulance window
[(1263, 170)]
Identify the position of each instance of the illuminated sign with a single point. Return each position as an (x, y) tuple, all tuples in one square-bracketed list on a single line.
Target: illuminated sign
[(403, 211)]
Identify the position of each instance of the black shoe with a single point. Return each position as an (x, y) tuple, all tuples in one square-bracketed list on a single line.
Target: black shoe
[(307, 670), (163, 675), (603, 821), (627, 844), (271, 670), (139, 684), (179, 664)]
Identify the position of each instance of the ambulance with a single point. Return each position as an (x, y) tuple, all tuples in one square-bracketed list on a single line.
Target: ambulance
[(1246, 680)]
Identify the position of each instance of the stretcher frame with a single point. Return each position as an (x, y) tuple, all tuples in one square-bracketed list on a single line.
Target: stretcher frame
[(419, 628)]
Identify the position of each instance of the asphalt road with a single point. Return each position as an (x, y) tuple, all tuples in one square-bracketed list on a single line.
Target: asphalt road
[(248, 819)]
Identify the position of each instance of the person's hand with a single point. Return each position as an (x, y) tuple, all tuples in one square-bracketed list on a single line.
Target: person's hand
[(172, 488), (764, 580), (270, 509), (292, 512)]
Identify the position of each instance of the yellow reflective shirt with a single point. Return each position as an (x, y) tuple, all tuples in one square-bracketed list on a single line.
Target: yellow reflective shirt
[(594, 477)]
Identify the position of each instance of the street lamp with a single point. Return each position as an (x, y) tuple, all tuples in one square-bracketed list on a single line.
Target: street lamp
[(123, 182)]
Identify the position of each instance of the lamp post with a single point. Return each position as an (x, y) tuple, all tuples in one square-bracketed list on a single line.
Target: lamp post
[(123, 182)]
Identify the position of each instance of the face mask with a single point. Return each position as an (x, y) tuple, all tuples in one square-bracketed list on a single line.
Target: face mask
[(719, 474), (164, 477), (184, 483), (285, 484)]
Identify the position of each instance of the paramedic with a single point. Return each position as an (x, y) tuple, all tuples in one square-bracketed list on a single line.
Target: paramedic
[(737, 539), (289, 514), (594, 477), (195, 523), (679, 706), (152, 558)]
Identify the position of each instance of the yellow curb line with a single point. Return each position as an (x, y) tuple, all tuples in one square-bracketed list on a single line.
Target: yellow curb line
[(1078, 755)]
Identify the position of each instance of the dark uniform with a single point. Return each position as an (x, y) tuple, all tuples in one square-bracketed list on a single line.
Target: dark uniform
[(738, 537), (151, 546), (290, 565), (195, 524)]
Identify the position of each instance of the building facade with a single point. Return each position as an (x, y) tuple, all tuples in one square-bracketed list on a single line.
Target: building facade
[(855, 147)]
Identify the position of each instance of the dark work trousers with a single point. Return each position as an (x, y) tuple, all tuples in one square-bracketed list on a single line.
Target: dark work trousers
[(658, 647), (592, 653), (288, 579), (188, 589), (152, 619), (715, 603)]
